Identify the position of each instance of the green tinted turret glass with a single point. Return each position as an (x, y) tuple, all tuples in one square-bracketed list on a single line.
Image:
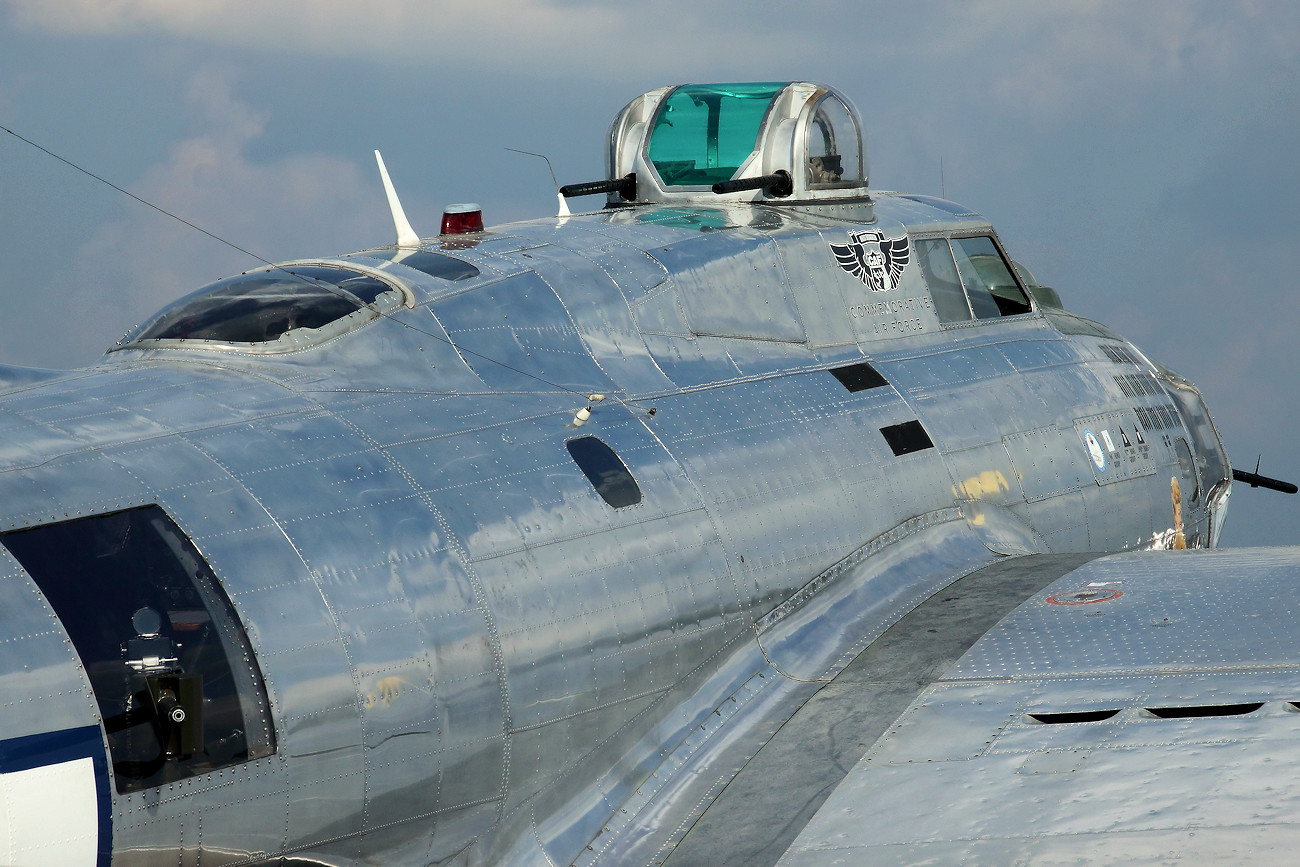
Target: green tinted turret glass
[(703, 132)]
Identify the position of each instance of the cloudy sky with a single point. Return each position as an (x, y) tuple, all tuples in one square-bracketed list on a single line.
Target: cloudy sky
[(1142, 158)]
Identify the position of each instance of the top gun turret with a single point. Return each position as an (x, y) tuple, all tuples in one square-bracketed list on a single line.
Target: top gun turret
[(773, 142)]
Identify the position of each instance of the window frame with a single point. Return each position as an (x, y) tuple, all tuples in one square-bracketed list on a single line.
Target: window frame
[(613, 490), (397, 295), (956, 235), (177, 683)]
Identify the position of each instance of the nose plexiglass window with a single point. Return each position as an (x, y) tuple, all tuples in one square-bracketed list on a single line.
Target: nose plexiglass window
[(177, 685)]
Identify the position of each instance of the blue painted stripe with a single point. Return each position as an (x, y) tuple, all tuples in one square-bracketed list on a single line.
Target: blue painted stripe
[(68, 745)]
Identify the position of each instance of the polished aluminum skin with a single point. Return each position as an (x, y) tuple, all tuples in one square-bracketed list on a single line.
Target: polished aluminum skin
[(1155, 726), (470, 656)]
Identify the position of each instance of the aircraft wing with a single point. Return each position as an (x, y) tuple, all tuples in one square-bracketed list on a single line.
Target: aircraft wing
[(1138, 708)]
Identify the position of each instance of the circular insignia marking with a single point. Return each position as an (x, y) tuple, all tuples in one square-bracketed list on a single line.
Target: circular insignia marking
[(1095, 451), (1084, 597)]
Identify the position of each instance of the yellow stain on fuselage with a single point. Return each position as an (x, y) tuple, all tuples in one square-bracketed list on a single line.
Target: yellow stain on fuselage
[(982, 486), (387, 691)]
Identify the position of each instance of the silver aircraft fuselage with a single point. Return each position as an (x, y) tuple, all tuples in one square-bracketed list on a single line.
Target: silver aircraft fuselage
[(441, 628)]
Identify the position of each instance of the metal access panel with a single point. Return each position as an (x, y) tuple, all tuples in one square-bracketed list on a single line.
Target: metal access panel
[(1044, 462), (1115, 446)]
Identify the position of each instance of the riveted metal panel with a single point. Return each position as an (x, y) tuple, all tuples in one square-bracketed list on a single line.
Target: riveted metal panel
[(634, 271), (91, 420), (1137, 627), (945, 369), (659, 311), (984, 475), (733, 285), (811, 453), (26, 443), (1044, 464), (1040, 354), (691, 361), (43, 686), (169, 398), (1208, 632), (1124, 455), (595, 291), (82, 483), (389, 418), (815, 284), (755, 358), (976, 413), (516, 335), (146, 825)]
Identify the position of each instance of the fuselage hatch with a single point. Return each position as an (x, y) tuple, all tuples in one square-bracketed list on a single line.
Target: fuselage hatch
[(496, 547)]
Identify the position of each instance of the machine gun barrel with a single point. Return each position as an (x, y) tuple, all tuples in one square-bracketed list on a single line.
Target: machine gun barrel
[(624, 186), (1255, 480), (778, 184)]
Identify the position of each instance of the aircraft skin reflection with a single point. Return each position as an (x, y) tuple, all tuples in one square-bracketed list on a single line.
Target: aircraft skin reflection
[(316, 566)]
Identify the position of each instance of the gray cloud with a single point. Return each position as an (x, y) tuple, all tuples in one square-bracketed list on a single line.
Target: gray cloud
[(140, 260)]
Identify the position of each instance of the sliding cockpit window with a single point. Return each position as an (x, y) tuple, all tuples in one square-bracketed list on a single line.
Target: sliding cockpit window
[(940, 273), (993, 292), (968, 278), (178, 687)]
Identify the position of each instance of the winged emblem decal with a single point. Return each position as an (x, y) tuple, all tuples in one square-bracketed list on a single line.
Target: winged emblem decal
[(874, 259)]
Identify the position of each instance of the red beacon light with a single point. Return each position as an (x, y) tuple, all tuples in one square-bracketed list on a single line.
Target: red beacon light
[(462, 219)]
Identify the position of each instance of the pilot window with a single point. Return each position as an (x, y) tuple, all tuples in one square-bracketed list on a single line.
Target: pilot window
[(262, 305), (968, 277), (703, 133), (606, 471), (940, 272), (993, 292), (171, 667)]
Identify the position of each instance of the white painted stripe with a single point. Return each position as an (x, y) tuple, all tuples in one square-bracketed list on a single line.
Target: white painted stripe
[(49, 816)]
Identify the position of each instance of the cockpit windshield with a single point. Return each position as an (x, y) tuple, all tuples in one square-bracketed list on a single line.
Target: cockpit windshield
[(703, 133), (262, 305)]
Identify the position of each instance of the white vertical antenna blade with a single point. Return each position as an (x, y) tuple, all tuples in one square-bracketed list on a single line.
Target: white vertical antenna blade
[(406, 236)]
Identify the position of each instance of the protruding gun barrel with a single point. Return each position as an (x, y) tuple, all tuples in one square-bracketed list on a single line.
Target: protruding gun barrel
[(1255, 480), (778, 184), (624, 186)]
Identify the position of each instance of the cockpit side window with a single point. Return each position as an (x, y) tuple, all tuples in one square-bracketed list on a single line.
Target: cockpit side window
[(940, 273), (993, 292), (178, 687)]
